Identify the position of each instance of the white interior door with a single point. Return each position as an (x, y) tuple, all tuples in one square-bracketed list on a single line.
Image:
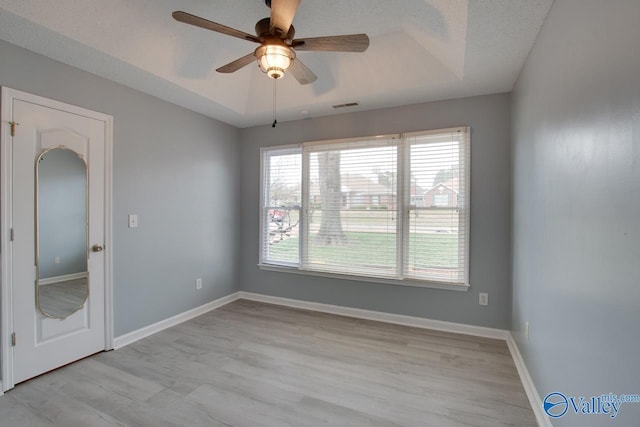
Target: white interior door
[(44, 338)]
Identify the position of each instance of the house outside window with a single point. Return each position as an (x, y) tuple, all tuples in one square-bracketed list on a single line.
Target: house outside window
[(393, 207)]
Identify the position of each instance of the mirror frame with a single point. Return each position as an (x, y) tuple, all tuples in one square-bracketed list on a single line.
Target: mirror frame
[(37, 230)]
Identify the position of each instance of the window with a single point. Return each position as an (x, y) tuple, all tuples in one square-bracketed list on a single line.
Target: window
[(441, 200), (282, 169), (393, 208)]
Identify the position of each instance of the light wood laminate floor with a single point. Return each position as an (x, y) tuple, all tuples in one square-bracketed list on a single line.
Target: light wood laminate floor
[(254, 364)]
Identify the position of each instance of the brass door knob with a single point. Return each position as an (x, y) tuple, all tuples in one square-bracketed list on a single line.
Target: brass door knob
[(97, 248)]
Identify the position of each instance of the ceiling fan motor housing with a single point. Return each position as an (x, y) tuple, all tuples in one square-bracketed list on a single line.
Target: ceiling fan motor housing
[(263, 30)]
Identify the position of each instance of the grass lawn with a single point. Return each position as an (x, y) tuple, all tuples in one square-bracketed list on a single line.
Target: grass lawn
[(426, 250)]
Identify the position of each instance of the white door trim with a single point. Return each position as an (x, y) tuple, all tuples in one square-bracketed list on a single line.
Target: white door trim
[(6, 221)]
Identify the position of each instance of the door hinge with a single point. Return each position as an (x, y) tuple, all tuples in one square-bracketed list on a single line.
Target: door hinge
[(13, 127), (11, 235), (13, 339)]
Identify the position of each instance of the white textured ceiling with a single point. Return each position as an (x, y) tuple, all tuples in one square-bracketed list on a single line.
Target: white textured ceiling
[(421, 50)]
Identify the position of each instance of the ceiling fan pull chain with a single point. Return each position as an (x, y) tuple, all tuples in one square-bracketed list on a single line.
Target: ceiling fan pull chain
[(275, 122)]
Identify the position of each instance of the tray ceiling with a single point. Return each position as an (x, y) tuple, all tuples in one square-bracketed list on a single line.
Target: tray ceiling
[(421, 50)]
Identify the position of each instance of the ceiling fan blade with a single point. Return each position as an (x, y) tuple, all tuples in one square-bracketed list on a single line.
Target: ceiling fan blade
[(348, 43), (187, 18), (303, 75), (237, 64), (282, 13)]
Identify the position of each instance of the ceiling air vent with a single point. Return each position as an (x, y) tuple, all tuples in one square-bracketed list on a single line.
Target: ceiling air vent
[(348, 104)]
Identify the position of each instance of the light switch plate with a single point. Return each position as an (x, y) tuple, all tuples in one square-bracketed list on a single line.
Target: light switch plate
[(133, 220), (484, 298)]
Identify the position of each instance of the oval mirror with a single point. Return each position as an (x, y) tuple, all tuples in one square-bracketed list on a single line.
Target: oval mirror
[(62, 282)]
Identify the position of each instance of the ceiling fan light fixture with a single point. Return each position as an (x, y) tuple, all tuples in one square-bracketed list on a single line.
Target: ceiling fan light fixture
[(274, 59)]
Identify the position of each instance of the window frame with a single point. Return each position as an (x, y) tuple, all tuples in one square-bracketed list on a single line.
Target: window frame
[(404, 209)]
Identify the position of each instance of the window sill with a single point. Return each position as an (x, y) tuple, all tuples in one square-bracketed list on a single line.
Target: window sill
[(372, 279)]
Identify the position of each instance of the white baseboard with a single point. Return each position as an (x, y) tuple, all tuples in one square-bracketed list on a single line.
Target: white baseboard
[(527, 383), (58, 279), (136, 335), (398, 319)]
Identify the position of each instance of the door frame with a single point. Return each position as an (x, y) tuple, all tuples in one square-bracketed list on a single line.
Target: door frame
[(6, 251)]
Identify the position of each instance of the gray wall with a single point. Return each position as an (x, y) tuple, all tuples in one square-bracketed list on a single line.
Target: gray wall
[(489, 118), (576, 205), (62, 214), (176, 169)]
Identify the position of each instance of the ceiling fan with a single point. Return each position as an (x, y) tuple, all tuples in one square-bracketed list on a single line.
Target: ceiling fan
[(277, 51)]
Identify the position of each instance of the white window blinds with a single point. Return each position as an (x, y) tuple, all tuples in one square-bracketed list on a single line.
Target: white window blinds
[(282, 170), (437, 220), (393, 207), (351, 207)]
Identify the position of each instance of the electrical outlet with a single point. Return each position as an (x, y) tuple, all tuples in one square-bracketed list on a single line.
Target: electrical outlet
[(198, 283), (484, 299), (526, 330), (133, 220), (56, 260)]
